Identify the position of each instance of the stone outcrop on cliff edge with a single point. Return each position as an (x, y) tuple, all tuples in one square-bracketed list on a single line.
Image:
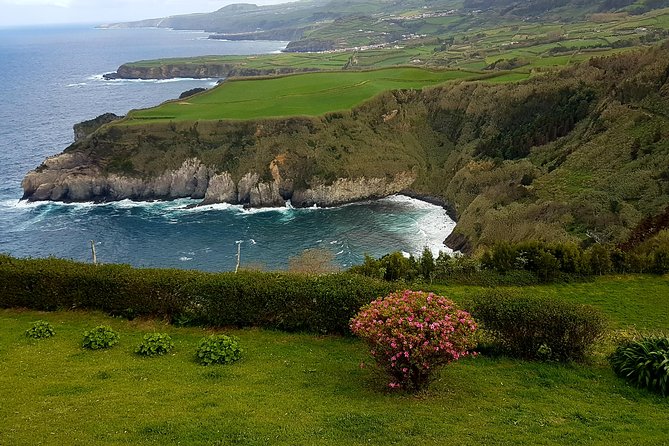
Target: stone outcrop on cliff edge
[(73, 177), (198, 71)]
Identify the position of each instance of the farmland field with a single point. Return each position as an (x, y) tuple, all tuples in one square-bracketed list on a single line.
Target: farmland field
[(310, 94)]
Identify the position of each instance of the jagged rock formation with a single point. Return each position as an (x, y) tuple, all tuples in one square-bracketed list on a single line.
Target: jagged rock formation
[(197, 71), (85, 128), (72, 177)]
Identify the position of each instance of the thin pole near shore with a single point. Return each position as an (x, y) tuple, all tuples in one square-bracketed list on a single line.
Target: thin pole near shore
[(239, 252), (95, 257)]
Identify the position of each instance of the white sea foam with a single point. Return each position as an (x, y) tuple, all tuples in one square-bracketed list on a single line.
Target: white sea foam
[(100, 78), (282, 210), (188, 207)]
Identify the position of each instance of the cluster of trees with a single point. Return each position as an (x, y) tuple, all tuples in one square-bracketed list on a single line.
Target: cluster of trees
[(543, 262), (547, 261)]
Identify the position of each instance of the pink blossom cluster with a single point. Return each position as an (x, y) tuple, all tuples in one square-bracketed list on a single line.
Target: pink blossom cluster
[(411, 333)]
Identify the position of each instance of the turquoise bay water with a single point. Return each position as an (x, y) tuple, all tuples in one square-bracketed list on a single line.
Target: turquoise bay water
[(52, 78)]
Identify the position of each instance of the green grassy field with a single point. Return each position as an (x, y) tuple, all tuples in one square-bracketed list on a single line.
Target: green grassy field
[(310, 94), (299, 389)]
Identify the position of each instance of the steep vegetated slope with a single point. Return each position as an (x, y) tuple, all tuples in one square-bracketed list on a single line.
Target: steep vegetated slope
[(578, 153), (322, 25)]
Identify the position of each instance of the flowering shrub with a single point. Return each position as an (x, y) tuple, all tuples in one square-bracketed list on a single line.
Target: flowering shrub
[(412, 333)]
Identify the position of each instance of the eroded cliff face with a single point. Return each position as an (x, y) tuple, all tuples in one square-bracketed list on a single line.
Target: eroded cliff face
[(197, 71), (72, 177)]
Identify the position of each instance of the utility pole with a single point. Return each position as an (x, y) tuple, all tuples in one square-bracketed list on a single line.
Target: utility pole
[(95, 258), (239, 252)]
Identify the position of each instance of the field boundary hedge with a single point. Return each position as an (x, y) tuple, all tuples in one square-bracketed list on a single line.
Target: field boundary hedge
[(284, 301)]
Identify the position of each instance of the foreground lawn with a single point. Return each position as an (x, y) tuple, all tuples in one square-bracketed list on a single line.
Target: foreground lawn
[(637, 301), (310, 94), (305, 389)]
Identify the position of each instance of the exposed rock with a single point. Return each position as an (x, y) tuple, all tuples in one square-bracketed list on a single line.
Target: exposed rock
[(191, 92), (85, 128), (245, 185), (266, 195), (197, 71), (221, 189), (347, 190), (459, 242), (72, 177)]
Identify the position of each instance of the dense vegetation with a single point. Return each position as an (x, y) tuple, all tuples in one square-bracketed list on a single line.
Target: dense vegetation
[(292, 302), (523, 263)]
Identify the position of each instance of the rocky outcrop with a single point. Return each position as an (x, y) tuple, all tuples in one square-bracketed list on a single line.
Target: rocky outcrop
[(459, 242), (197, 71), (347, 190), (191, 92), (73, 177), (310, 46), (170, 71), (85, 128), (221, 189)]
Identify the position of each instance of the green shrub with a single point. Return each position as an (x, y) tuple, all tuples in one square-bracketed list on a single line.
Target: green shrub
[(538, 328), (155, 344), (40, 330), (218, 349), (100, 337), (644, 363), (285, 301)]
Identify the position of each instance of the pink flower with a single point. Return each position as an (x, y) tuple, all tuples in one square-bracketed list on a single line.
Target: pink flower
[(413, 329)]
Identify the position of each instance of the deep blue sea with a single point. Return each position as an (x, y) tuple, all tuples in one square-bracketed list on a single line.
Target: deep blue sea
[(51, 78)]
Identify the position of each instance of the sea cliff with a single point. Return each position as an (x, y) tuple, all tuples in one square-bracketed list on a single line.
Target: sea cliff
[(197, 71), (73, 177)]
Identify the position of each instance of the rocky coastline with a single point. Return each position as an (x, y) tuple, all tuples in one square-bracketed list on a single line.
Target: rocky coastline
[(74, 177), (197, 71)]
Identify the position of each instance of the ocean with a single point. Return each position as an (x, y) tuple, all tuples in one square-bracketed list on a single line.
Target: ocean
[(52, 78)]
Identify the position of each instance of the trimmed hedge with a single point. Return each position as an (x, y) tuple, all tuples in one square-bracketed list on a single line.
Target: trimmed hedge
[(538, 328), (285, 301)]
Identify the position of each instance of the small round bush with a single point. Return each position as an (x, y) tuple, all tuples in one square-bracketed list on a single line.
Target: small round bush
[(411, 334), (40, 330), (100, 337), (644, 363), (155, 344), (218, 349)]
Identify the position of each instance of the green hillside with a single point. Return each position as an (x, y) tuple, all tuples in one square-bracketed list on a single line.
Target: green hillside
[(304, 94), (577, 154)]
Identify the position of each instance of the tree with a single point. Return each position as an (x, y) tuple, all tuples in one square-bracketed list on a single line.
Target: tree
[(313, 261)]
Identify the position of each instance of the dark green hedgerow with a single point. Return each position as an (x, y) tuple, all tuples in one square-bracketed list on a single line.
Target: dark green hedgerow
[(291, 302), (538, 327)]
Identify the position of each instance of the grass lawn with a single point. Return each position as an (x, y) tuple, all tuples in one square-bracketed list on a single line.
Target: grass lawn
[(310, 94), (627, 300), (299, 389)]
